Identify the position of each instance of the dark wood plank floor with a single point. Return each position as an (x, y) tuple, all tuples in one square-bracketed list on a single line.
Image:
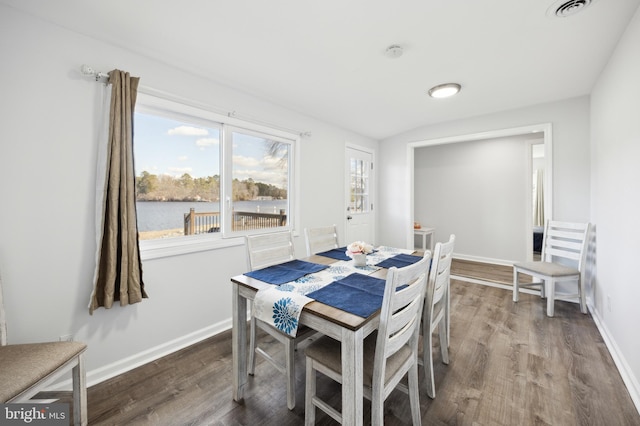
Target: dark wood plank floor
[(509, 365)]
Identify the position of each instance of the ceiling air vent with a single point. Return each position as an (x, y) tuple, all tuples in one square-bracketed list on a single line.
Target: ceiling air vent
[(566, 8)]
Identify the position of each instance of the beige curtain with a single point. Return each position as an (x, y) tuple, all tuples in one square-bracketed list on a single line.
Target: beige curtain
[(118, 274), (538, 200)]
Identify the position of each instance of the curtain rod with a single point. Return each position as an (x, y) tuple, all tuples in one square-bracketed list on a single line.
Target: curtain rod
[(88, 71)]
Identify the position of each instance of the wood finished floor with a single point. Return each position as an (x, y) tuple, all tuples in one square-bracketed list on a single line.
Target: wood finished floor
[(509, 365)]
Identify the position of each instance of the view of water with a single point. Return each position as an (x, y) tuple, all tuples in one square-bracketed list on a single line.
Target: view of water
[(160, 215)]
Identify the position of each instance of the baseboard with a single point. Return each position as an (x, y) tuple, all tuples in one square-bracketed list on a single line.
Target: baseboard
[(122, 366), (630, 381)]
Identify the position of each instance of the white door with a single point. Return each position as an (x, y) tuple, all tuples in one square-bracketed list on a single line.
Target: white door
[(359, 201)]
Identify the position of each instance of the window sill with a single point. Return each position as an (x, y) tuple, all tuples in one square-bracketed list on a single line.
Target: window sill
[(156, 249)]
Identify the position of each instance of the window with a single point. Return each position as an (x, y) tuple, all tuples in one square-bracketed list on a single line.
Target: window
[(177, 165), (359, 186), (259, 180), (202, 177)]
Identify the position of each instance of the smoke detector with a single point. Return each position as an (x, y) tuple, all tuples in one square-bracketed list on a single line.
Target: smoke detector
[(566, 8), (393, 51)]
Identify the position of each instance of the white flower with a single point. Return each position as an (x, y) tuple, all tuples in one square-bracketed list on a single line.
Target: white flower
[(359, 247)]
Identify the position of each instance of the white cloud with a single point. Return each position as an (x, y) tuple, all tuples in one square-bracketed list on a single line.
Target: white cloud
[(183, 158), (188, 131), (277, 179), (206, 142), (241, 161)]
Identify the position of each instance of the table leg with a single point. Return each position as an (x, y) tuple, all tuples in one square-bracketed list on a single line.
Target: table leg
[(239, 342), (352, 377)]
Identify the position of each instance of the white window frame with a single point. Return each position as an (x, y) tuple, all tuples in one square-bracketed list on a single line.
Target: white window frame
[(172, 107)]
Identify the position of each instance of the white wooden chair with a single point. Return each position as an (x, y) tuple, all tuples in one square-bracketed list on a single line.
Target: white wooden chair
[(563, 258), (436, 310), (388, 354), (321, 239), (28, 369), (265, 250)]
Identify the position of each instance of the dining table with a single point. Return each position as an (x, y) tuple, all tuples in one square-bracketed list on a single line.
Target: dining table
[(348, 328)]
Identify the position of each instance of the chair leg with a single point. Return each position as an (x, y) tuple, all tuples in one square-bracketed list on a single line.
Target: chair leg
[(309, 394), (290, 373), (414, 394), (583, 299), (444, 341), (79, 393), (515, 285), (427, 361), (377, 406), (448, 315), (550, 296)]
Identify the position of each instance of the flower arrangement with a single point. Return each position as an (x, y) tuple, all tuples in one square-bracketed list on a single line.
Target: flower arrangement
[(358, 247)]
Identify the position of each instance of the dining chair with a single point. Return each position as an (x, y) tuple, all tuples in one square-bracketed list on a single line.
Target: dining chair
[(436, 311), (389, 354), (265, 250), (321, 239), (563, 258), (28, 369)]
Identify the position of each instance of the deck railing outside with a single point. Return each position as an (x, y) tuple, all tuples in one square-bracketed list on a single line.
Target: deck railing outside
[(204, 222)]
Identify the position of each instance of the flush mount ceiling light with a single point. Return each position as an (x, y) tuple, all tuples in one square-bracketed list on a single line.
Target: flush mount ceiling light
[(566, 8), (444, 90), (393, 51)]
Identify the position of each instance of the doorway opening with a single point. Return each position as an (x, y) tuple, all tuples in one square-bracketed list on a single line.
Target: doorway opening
[(475, 238)]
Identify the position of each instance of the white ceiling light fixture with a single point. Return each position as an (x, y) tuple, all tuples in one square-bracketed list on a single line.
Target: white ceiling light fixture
[(444, 90), (566, 8), (394, 51)]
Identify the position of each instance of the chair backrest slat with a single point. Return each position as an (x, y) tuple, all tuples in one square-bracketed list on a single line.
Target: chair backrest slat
[(321, 239), (401, 311), (564, 240), (439, 276), (269, 249)]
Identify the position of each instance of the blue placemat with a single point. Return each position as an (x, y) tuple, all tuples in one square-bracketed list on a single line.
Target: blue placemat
[(399, 261), (285, 272), (336, 253), (356, 293)]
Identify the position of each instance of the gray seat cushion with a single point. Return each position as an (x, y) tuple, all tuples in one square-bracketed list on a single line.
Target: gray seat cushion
[(22, 366), (546, 268)]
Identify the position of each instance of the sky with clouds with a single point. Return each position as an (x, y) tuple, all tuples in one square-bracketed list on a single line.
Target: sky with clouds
[(165, 146)]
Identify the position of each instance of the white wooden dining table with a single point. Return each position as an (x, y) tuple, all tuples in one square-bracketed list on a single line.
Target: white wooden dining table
[(347, 328)]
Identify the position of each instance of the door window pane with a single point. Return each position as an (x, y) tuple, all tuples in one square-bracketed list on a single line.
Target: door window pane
[(359, 190)]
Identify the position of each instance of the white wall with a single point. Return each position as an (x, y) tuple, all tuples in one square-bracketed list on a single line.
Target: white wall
[(571, 161), (479, 191), (47, 178), (615, 143)]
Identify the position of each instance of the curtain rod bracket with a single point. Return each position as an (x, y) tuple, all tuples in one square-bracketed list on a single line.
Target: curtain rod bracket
[(86, 70)]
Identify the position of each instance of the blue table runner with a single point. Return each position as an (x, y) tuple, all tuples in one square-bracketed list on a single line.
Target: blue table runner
[(285, 272)]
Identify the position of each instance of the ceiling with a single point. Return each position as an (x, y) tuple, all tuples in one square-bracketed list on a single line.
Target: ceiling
[(326, 59)]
